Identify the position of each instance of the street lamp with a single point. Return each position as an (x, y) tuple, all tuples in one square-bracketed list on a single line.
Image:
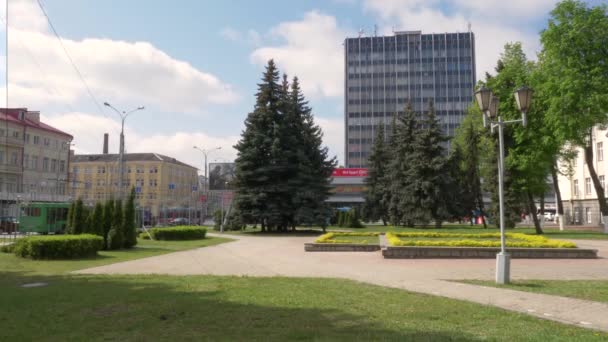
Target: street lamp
[(123, 115), (206, 181), (488, 104)]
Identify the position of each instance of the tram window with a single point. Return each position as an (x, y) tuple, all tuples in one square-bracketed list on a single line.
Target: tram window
[(32, 211)]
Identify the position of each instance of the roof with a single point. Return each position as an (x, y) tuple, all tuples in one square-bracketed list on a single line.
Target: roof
[(129, 157), (12, 115)]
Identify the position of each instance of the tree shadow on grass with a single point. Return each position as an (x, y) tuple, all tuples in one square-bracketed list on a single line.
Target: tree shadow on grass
[(176, 308)]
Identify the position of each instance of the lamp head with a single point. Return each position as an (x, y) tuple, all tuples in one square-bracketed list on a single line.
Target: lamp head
[(483, 97), (493, 109), (106, 104), (523, 97)]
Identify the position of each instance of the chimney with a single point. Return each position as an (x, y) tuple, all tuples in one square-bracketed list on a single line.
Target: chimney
[(105, 143), (32, 116)]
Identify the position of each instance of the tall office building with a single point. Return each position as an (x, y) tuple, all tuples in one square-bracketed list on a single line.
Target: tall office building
[(383, 73)]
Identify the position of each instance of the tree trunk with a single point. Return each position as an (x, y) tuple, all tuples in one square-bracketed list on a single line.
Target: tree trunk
[(384, 221), (558, 196), (532, 210), (595, 179), (542, 210)]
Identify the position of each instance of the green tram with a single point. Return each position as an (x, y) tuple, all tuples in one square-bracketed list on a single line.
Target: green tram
[(43, 218)]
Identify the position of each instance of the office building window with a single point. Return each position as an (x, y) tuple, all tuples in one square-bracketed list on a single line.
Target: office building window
[(14, 158), (36, 140), (45, 164), (62, 166), (101, 169), (576, 191), (47, 141), (600, 151), (587, 186), (34, 162), (53, 165), (16, 134)]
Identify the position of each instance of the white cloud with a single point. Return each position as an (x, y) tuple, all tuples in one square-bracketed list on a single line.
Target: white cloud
[(311, 49), (251, 37), (333, 136), (231, 34), (492, 23), (126, 72), (88, 131)]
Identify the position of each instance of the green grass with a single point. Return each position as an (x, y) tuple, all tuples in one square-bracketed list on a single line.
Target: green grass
[(549, 233), (145, 308), (144, 248), (594, 290)]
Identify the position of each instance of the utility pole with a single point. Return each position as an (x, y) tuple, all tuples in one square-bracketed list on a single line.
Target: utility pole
[(121, 155)]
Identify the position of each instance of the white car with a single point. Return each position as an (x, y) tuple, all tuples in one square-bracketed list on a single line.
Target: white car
[(549, 216)]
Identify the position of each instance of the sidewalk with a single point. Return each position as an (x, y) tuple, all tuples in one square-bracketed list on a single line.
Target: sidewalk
[(285, 256)]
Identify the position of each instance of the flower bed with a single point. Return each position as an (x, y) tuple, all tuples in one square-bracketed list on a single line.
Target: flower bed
[(348, 238), (517, 240)]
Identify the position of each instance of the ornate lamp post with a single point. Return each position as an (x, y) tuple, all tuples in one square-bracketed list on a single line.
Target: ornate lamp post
[(488, 104)]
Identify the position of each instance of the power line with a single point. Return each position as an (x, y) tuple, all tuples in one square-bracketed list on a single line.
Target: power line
[(70, 59)]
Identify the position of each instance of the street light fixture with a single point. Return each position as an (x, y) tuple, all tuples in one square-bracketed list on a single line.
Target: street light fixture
[(206, 181), (123, 115), (488, 104)]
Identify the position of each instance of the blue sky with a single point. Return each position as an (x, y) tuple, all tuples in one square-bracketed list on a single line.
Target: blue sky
[(195, 64)]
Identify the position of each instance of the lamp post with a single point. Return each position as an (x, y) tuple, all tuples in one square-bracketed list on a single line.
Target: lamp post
[(488, 104), (206, 181), (123, 115)]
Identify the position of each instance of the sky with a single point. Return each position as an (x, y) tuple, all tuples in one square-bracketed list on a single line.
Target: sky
[(195, 64)]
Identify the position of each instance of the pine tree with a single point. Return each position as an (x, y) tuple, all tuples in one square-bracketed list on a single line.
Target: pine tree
[(108, 214), (130, 233), (79, 220), (116, 235), (426, 173), (374, 208), (254, 151)]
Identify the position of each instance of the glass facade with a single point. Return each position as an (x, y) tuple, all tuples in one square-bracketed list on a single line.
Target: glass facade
[(382, 74)]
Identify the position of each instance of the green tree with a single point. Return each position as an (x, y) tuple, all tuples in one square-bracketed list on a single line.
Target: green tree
[(130, 233), (96, 222), (70, 219), (79, 220), (375, 208), (573, 56), (426, 175), (108, 214), (116, 235)]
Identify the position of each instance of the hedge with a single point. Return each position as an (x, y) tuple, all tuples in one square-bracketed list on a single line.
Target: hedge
[(517, 240), (330, 237), (178, 233), (58, 247)]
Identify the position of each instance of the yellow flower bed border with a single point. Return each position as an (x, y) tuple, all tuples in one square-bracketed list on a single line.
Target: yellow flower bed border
[(513, 240), (331, 237)]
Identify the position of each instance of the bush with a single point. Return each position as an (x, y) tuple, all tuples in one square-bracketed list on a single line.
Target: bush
[(115, 239), (178, 233), (475, 240), (58, 247)]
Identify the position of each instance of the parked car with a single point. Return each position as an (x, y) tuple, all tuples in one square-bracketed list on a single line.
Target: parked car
[(549, 216), (179, 221)]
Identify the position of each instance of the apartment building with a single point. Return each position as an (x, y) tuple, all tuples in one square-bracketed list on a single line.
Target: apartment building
[(34, 158), (160, 182), (578, 193)]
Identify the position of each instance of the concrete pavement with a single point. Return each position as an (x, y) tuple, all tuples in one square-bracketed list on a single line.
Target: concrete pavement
[(285, 256)]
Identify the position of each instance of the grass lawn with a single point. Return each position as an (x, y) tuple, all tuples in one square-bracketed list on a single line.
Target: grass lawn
[(144, 248), (549, 233), (146, 308), (594, 290)]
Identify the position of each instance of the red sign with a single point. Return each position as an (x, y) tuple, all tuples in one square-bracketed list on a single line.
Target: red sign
[(355, 172), (203, 198)]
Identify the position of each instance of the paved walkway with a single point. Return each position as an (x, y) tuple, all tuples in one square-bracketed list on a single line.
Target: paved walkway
[(285, 256)]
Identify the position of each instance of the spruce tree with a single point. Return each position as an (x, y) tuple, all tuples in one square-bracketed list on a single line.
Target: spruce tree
[(130, 233), (374, 208), (426, 173), (254, 167)]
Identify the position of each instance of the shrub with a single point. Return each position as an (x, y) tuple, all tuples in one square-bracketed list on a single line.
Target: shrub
[(58, 246), (217, 219), (179, 233), (144, 236), (115, 239), (331, 237), (129, 231)]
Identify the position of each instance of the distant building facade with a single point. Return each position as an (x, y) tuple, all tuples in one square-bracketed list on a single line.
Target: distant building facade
[(383, 73), (34, 159), (579, 197), (161, 183)]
